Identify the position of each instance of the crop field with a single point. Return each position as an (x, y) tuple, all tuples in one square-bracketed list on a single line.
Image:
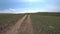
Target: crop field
[(7, 20), (46, 23)]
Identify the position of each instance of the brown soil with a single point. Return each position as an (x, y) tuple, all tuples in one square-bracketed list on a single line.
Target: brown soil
[(14, 29), (28, 27)]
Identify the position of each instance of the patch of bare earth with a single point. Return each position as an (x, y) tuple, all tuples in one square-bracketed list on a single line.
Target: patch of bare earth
[(28, 27), (14, 29)]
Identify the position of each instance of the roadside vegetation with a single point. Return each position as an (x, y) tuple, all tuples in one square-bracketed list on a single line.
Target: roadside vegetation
[(43, 23), (46, 23), (7, 20)]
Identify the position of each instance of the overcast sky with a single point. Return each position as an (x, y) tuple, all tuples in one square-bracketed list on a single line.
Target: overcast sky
[(23, 6)]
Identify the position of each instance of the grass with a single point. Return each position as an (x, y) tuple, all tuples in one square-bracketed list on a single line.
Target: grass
[(42, 23), (4, 18), (23, 25), (7, 20), (46, 23), (20, 30)]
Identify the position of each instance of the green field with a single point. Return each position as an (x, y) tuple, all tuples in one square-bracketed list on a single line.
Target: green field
[(7, 20), (46, 23), (43, 23)]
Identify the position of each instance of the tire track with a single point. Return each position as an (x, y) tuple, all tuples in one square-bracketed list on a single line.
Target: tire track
[(28, 27), (30, 31), (14, 29)]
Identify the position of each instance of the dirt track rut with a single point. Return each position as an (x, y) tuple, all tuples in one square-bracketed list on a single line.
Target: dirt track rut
[(14, 29), (27, 28)]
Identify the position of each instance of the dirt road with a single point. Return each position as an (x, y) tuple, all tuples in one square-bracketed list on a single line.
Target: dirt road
[(14, 29), (28, 27)]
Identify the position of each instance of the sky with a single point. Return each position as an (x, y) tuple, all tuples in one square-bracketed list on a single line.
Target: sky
[(29, 6)]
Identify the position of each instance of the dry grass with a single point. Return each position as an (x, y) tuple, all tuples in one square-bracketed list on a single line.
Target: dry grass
[(46, 23), (7, 20)]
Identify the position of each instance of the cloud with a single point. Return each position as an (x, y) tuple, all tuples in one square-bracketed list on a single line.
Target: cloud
[(53, 8), (47, 8), (10, 10), (50, 8), (43, 6)]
